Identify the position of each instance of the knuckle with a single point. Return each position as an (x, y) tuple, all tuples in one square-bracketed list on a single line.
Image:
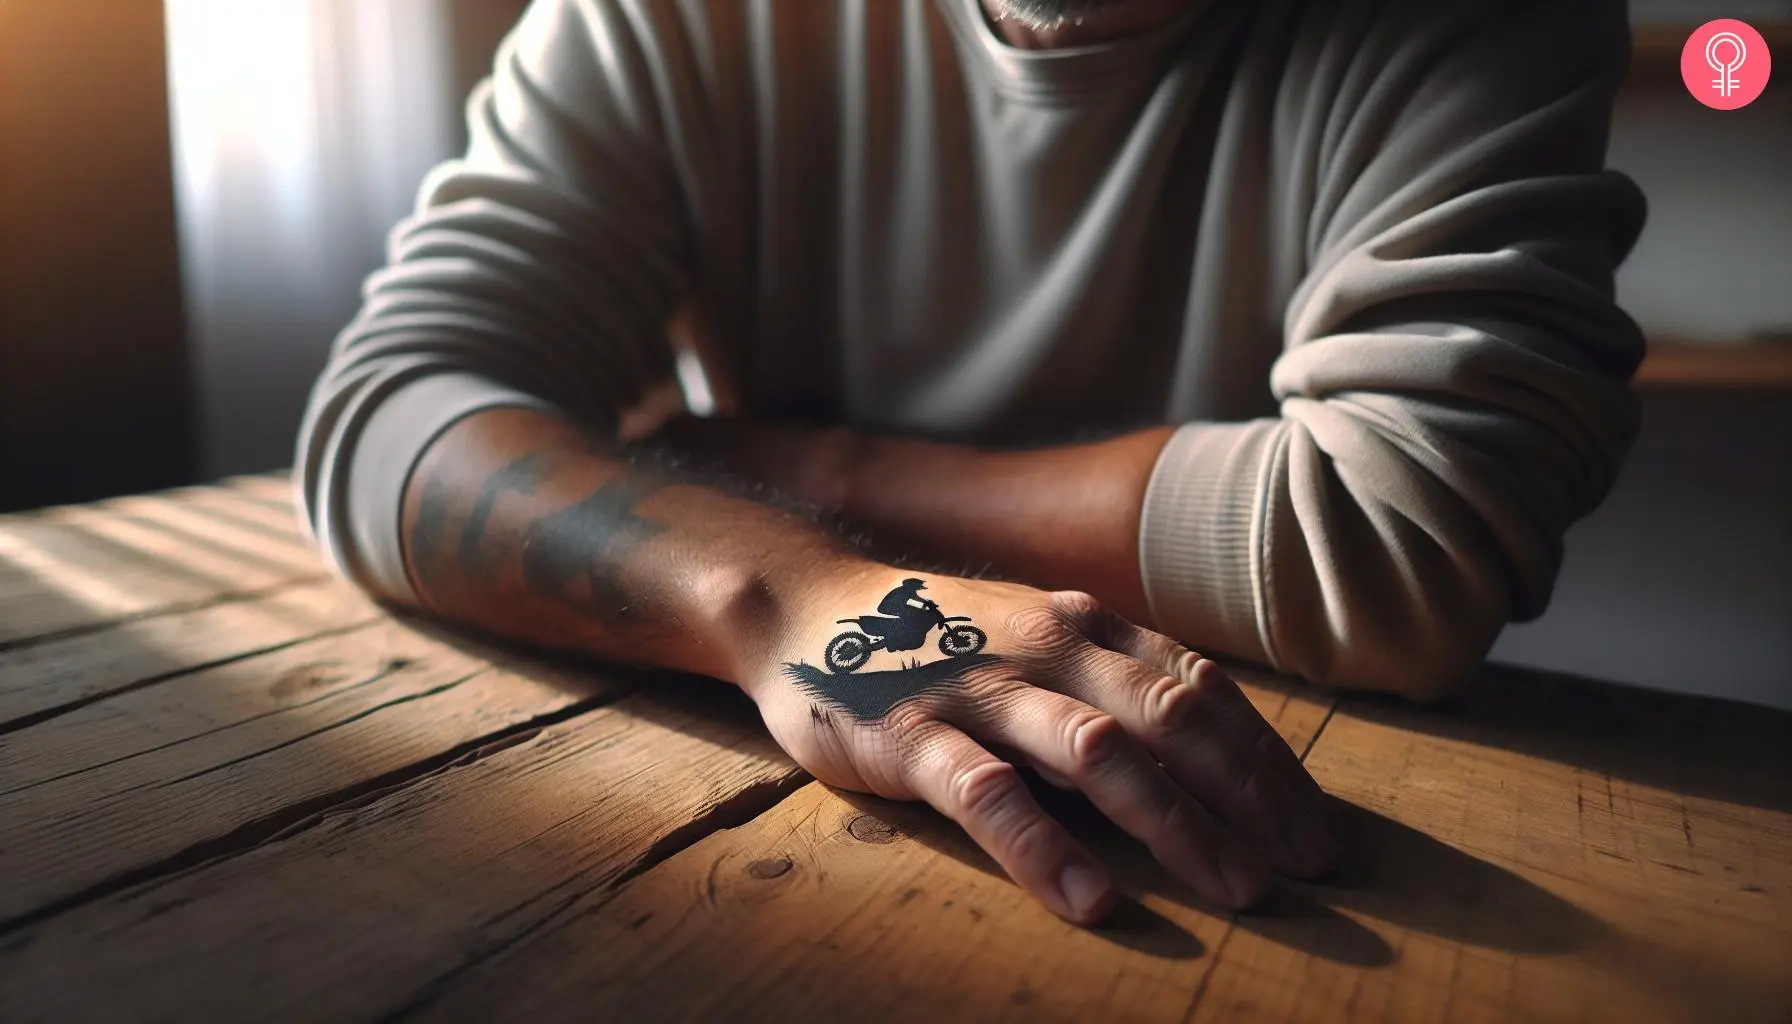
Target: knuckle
[(981, 791), (1212, 682), (1042, 630), (908, 720), (1171, 705), (1176, 823), (1096, 739), (1253, 784), (996, 694), (1030, 839), (1076, 604), (1088, 617), (1182, 662)]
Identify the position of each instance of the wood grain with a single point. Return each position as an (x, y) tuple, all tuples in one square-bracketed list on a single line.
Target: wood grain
[(1494, 876), (837, 906), (150, 775), (210, 510), (368, 908), (275, 488), (1546, 851), (78, 568), (58, 674)]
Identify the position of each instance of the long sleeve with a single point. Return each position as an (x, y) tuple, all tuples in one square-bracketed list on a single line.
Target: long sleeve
[(1453, 391), (539, 270)]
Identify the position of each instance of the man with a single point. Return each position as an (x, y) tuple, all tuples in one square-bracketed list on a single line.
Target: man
[(1332, 282)]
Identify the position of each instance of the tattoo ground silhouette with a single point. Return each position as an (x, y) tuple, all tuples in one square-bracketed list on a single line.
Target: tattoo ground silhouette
[(869, 696)]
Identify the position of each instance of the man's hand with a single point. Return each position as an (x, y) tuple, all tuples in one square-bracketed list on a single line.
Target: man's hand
[(1158, 738), (517, 524)]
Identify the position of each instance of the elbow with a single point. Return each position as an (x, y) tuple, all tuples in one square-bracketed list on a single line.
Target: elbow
[(1436, 666), (1425, 647)]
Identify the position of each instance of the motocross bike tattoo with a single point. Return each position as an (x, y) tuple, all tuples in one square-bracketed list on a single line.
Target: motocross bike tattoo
[(904, 622)]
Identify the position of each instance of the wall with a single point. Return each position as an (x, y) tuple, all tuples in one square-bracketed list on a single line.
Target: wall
[(93, 363), (1683, 580), (302, 129)]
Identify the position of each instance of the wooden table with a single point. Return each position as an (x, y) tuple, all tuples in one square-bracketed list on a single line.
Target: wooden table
[(231, 787)]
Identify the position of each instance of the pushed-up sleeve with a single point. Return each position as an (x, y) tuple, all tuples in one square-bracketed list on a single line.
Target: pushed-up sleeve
[(1454, 390), (539, 270)]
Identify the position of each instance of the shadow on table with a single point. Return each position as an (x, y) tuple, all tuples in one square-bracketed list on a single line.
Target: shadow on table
[(1390, 872), (1697, 746)]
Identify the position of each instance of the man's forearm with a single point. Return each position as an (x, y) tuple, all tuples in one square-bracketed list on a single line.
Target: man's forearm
[(1064, 517), (517, 523)]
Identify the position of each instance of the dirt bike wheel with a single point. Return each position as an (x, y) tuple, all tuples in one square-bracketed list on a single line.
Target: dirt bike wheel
[(962, 640), (847, 652)]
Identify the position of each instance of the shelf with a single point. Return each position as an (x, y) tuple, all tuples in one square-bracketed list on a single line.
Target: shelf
[(1728, 366)]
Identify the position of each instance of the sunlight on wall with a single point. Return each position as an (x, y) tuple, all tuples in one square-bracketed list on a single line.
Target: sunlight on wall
[(301, 129), (240, 78)]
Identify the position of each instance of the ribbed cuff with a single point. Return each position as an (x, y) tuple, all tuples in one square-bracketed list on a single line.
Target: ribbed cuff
[(1201, 537), (388, 448)]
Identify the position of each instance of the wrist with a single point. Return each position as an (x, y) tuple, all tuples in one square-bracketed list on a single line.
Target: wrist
[(764, 616)]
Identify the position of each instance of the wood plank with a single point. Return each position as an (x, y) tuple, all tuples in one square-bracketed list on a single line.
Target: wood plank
[(1298, 711), (364, 909), (837, 906), (149, 776), (80, 568), (1548, 851), (1745, 366), (41, 679), (274, 488), (221, 514), (209, 543), (246, 511), (1485, 884)]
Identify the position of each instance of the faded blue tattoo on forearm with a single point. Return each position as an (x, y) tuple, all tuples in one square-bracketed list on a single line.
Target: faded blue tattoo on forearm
[(576, 555)]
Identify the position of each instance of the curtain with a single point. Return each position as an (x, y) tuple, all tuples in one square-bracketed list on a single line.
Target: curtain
[(301, 129)]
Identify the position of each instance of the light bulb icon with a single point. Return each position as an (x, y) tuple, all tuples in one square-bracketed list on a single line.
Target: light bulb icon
[(1725, 83)]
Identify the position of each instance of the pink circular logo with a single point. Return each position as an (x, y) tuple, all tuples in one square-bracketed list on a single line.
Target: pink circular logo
[(1725, 64)]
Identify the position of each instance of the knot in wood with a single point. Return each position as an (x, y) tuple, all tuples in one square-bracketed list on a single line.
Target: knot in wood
[(768, 869), (867, 828)]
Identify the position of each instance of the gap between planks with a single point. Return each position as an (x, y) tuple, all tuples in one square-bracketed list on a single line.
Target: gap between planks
[(56, 675), (143, 777), (830, 887), (374, 899), (1472, 891)]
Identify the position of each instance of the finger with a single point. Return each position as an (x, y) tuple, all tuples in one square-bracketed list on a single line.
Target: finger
[(1206, 733), (986, 797), (1017, 756), (1212, 740), (1092, 749), (1163, 653)]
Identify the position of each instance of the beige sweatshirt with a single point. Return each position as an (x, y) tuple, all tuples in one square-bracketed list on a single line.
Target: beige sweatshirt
[(1362, 251)]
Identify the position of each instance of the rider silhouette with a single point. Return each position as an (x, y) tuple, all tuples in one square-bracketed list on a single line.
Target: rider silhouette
[(904, 620)]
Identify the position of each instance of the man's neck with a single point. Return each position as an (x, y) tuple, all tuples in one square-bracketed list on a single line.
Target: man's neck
[(1128, 19)]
